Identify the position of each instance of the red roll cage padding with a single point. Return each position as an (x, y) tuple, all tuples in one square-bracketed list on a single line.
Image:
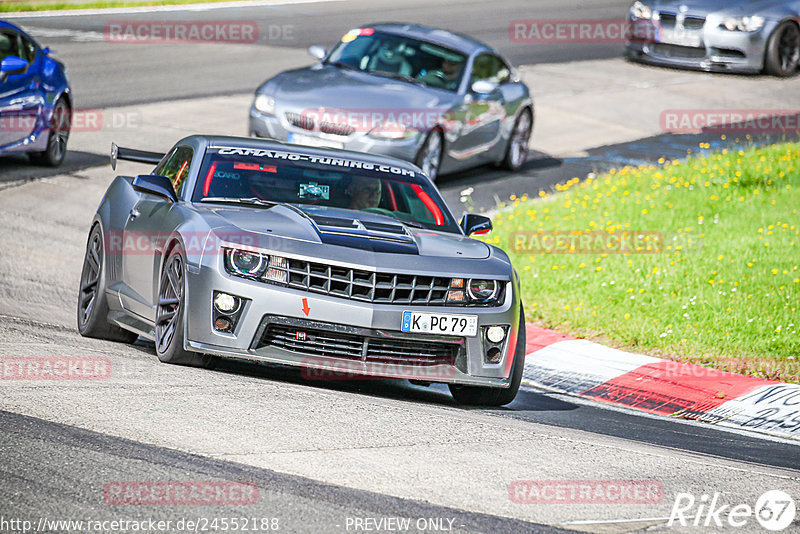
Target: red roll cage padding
[(387, 185), (209, 177), (430, 204)]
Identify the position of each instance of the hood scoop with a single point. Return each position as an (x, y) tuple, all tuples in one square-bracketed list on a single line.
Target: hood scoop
[(367, 235)]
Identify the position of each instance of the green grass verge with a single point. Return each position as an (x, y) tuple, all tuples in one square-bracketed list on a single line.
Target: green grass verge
[(716, 280), (12, 6)]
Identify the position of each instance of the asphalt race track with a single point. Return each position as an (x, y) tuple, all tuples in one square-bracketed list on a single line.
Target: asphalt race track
[(335, 456)]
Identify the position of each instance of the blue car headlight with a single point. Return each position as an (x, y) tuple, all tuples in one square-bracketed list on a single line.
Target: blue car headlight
[(640, 10)]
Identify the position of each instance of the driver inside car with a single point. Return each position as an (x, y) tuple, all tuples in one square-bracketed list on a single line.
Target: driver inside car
[(364, 193)]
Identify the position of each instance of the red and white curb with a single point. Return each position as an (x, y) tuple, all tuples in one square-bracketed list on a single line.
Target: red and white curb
[(578, 367)]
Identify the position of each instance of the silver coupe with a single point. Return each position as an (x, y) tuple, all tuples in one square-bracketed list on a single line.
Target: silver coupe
[(717, 35), (441, 100)]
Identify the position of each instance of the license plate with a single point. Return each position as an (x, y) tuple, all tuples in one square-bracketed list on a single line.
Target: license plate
[(680, 37), (308, 140), (440, 323)]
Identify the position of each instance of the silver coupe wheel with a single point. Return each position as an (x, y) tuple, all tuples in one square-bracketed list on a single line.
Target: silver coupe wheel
[(430, 156)]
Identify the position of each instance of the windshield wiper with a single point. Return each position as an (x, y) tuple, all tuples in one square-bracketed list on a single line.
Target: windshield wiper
[(252, 201), (397, 76), (341, 65)]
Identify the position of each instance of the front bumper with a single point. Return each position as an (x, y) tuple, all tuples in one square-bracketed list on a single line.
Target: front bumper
[(267, 305), (273, 127), (718, 50)]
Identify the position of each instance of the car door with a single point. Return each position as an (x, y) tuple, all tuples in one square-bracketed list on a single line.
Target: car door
[(485, 112), (149, 224), (21, 96)]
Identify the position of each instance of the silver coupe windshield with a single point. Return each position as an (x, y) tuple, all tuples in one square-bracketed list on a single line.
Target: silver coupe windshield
[(266, 177), (397, 56)]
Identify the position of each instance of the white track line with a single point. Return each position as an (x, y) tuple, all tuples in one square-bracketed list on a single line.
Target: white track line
[(156, 9)]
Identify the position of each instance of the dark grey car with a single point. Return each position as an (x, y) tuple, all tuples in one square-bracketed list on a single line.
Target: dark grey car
[(718, 35), (344, 264), (441, 100)]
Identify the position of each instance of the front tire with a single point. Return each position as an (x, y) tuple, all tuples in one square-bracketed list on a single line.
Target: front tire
[(782, 56), (170, 314), (57, 139), (92, 304), (488, 396), (429, 158), (517, 150)]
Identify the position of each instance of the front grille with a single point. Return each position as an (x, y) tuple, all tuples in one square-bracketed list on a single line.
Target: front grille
[(318, 342), (300, 121), (686, 52), (366, 286), (670, 20), (336, 128)]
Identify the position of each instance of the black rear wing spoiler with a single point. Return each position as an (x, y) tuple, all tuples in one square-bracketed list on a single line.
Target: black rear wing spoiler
[(130, 154)]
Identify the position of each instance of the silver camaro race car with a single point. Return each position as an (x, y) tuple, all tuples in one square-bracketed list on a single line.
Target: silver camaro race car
[(330, 260)]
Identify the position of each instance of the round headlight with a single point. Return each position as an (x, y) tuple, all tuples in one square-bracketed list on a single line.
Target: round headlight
[(248, 263), (226, 303), (265, 104), (495, 334), (482, 290)]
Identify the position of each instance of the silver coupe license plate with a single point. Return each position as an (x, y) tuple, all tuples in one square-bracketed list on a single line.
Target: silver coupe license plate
[(440, 323), (681, 36)]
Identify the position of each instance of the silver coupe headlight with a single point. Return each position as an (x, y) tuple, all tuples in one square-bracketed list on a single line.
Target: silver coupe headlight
[(744, 24), (393, 131), (639, 10), (265, 104)]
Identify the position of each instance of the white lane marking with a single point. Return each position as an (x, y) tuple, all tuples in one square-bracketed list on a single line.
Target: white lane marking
[(157, 9), (612, 521), (74, 35)]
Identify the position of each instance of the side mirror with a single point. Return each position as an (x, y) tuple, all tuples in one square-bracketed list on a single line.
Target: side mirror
[(46, 51), (484, 87), (152, 184), (12, 65), (317, 52), (475, 224)]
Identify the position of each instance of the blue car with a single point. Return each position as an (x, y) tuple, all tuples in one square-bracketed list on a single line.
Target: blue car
[(35, 99)]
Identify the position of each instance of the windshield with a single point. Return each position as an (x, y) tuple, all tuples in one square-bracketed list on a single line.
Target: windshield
[(257, 176), (401, 57)]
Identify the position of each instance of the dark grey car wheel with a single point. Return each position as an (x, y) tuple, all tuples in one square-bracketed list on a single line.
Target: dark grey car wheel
[(429, 158), (60, 124), (170, 315), (783, 50), (92, 304)]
